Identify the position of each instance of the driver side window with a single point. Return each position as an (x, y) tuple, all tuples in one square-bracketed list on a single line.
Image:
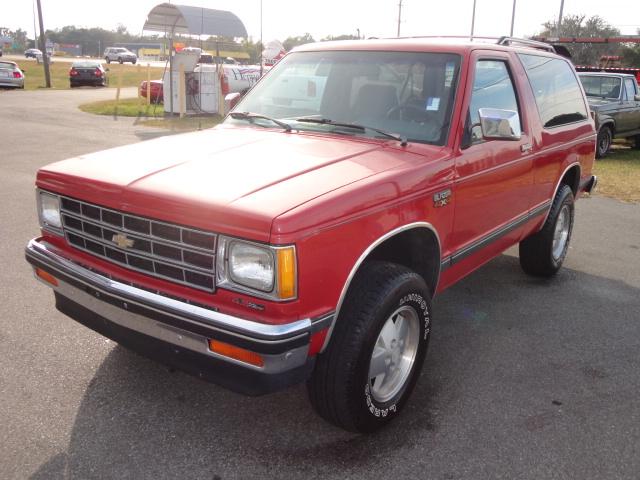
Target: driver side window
[(492, 88)]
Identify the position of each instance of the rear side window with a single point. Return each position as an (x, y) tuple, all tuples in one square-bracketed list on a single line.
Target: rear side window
[(556, 90), (629, 89), (603, 87)]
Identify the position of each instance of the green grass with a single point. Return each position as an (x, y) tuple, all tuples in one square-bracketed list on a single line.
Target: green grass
[(150, 115), (619, 173), (132, 75), (129, 107)]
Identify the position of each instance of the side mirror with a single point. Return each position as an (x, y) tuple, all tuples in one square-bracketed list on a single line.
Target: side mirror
[(499, 124), (231, 100)]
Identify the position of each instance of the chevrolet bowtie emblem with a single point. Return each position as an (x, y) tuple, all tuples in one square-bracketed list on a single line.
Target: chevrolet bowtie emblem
[(122, 240)]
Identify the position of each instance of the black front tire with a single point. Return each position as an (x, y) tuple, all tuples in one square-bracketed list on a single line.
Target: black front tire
[(603, 143), (340, 389), (636, 142), (107, 59), (120, 61), (538, 257)]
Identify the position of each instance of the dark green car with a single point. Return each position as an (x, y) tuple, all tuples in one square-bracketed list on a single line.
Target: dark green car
[(615, 100)]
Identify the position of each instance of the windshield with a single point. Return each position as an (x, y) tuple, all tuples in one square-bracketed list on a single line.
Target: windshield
[(405, 93), (604, 87)]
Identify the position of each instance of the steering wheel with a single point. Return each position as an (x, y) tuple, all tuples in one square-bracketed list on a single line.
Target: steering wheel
[(408, 112)]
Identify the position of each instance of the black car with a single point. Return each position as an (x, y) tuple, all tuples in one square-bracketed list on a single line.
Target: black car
[(87, 72)]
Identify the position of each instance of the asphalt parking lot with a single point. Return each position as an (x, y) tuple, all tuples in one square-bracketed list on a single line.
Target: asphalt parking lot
[(525, 379)]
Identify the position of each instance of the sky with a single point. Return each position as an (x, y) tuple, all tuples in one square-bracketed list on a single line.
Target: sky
[(377, 18)]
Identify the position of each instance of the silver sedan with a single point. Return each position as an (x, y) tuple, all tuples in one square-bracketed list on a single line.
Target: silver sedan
[(11, 75)]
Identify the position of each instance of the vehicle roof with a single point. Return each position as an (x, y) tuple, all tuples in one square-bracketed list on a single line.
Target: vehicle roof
[(9, 62), (606, 74), (460, 45), (86, 62)]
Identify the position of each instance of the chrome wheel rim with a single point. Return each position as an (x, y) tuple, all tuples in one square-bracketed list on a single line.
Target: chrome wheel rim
[(561, 232), (394, 354)]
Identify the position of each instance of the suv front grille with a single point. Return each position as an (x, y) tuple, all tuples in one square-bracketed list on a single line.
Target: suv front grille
[(164, 250)]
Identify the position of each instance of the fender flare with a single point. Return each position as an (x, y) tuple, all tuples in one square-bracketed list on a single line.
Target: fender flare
[(363, 256)]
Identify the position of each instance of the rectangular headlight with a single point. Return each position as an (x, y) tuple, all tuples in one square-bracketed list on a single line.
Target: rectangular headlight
[(251, 266), (49, 211), (261, 270)]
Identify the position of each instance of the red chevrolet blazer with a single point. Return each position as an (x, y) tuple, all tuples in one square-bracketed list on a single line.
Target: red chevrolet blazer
[(302, 240)]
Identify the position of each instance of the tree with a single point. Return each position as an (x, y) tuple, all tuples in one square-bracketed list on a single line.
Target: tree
[(631, 55), (581, 26), (254, 49), (330, 38), (291, 42), (19, 38)]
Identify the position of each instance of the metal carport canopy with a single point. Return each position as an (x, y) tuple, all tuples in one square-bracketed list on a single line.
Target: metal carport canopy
[(184, 19)]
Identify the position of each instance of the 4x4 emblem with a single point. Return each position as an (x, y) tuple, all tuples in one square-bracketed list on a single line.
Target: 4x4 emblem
[(441, 199), (122, 240)]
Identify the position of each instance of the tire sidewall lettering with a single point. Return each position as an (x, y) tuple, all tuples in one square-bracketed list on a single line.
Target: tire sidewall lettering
[(421, 306)]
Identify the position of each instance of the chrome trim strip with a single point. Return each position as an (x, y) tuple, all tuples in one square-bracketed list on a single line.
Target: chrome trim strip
[(497, 234), (363, 257), (555, 191), (51, 256), (273, 363)]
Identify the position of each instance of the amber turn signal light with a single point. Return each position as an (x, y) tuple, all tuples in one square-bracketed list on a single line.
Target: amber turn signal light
[(286, 273), (47, 277), (237, 353)]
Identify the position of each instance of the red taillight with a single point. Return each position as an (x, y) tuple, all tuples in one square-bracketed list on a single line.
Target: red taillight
[(98, 72), (224, 84), (17, 75), (73, 72)]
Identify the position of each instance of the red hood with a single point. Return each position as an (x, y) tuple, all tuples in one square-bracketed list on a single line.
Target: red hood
[(233, 180)]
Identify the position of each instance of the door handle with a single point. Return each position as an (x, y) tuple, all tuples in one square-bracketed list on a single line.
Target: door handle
[(526, 148)]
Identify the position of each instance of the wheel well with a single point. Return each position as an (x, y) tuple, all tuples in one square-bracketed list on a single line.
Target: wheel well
[(417, 249), (572, 179), (610, 125)]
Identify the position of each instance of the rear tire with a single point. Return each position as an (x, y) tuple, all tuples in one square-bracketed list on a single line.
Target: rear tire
[(603, 143), (543, 253), (364, 378), (636, 142)]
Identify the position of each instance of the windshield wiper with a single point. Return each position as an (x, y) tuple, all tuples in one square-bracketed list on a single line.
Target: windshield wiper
[(257, 116), (328, 121)]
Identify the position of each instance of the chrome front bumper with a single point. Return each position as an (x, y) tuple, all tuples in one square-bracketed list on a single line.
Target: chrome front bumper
[(189, 327)]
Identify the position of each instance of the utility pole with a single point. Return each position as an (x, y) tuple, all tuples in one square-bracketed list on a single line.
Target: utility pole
[(261, 45), (43, 48), (399, 16), (560, 18), (35, 30), (513, 17), (473, 18)]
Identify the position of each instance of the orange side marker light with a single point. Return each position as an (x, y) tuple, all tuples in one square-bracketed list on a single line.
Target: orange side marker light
[(237, 353), (47, 277)]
